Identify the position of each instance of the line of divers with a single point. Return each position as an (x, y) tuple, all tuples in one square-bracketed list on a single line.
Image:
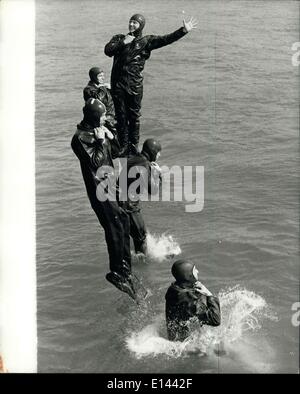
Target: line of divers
[(110, 129)]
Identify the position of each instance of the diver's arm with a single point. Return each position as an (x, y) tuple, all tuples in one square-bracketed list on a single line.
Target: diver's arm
[(91, 155), (114, 45), (212, 316), (154, 178), (96, 155), (89, 92), (210, 313), (150, 179), (154, 187), (156, 42)]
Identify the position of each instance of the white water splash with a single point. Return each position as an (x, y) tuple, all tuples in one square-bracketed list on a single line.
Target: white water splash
[(241, 310), (161, 247), (149, 342)]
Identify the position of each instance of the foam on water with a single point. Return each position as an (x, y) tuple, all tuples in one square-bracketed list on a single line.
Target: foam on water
[(242, 311), (161, 247)]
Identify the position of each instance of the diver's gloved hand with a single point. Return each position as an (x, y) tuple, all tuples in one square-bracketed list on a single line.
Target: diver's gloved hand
[(156, 168), (190, 25), (106, 85), (200, 288), (102, 132), (155, 165), (128, 39)]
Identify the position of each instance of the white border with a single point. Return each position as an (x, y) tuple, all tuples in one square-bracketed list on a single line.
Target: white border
[(18, 340)]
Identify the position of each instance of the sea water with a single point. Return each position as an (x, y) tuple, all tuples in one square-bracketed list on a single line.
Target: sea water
[(225, 97)]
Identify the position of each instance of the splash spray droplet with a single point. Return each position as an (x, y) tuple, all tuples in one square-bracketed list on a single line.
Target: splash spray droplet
[(161, 247)]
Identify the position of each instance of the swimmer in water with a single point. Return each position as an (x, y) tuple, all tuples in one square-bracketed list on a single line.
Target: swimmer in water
[(188, 298)]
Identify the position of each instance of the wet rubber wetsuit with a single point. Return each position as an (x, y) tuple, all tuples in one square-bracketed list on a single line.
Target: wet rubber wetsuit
[(92, 154), (151, 183), (127, 79), (102, 93), (184, 302)]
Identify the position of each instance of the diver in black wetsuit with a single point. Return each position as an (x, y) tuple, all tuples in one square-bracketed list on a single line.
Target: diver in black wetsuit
[(130, 53), (150, 182), (94, 146), (97, 88), (188, 298)]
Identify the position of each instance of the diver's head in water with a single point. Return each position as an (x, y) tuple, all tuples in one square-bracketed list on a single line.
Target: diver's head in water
[(94, 113), (185, 272), (96, 75), (151, 149), (136, 24)]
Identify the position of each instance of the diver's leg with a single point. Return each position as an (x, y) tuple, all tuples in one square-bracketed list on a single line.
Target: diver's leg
[(125, 219), (121, 109), (116, 228), (90, 182), (121, 274), (100, 209), (138, 232), (116, 225), (134, 114)]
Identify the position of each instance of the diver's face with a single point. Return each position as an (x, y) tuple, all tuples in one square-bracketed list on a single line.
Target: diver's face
[(103, 119), (133, 25), (195, 273), (100, 77), (157, 156)]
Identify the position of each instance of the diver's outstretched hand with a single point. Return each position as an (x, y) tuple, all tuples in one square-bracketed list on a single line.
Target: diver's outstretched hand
[(190, 25)]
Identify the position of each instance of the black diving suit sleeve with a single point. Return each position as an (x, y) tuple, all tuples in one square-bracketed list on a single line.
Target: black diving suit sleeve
[(211, 315), (88, 149), (156, 42), (90, 92), (114, 45)]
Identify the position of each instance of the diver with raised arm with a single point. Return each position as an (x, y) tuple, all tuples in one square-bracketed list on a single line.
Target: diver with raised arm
[(130, 53)]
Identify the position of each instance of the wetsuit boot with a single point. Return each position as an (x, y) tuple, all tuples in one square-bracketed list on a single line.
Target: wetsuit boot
[(121, 283), (129, 284)]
